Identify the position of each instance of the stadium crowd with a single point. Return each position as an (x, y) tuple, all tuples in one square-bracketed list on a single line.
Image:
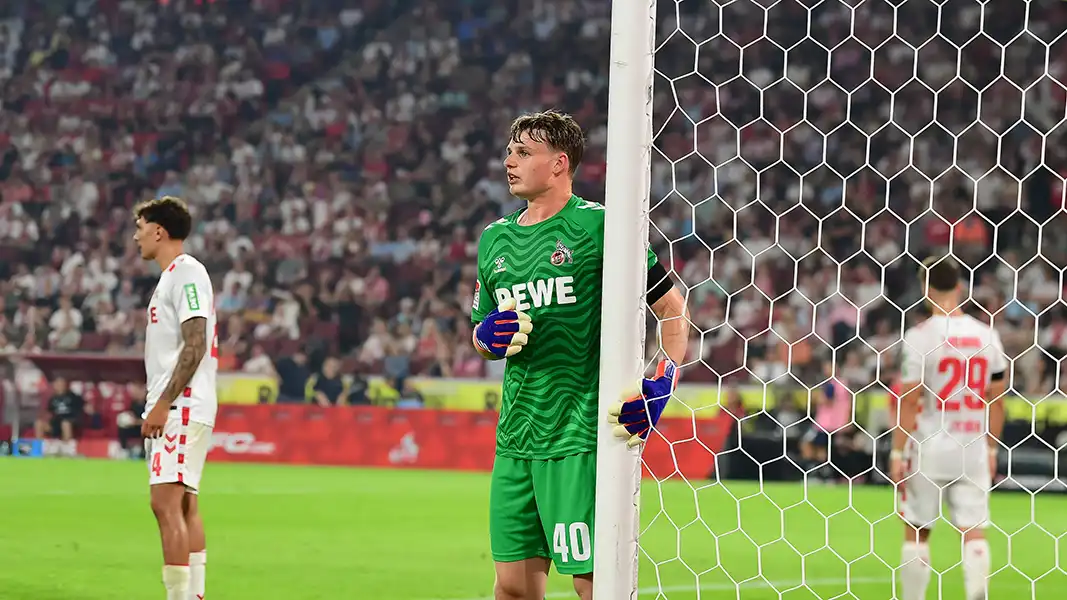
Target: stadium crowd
[(342, 157)]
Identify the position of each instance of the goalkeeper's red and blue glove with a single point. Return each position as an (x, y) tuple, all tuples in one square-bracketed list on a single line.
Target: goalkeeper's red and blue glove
[(503, 332), (636, 417)]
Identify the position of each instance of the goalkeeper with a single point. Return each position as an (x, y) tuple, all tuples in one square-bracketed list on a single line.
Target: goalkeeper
[(537, 303)]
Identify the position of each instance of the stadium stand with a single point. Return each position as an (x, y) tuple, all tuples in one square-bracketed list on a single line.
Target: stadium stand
[(342, 158)]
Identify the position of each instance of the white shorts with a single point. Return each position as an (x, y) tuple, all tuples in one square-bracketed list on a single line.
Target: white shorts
[(179, 455), (919, 502)]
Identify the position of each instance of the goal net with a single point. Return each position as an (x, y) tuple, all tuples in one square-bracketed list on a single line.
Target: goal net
[(807, 156)]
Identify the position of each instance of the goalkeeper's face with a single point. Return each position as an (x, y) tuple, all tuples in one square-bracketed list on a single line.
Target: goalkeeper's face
[(533, 167)]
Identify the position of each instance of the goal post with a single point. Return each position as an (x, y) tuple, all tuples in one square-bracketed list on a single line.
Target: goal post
[(629, 151)]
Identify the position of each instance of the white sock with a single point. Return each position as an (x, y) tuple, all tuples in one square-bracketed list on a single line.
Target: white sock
[(176, 580), (976, 568), (914, 571), (197, 566)]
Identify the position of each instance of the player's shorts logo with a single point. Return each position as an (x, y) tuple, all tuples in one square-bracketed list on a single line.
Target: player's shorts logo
[(562, 254)]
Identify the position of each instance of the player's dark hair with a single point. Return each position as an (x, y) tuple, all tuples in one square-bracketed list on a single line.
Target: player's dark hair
[(942, 273), (557, 130), (170, 213)]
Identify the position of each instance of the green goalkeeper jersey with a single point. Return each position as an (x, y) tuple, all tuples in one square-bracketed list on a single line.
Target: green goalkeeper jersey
[(552, 269)]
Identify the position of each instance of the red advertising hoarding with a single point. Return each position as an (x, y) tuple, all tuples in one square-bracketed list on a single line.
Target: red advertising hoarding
[(426, 439)]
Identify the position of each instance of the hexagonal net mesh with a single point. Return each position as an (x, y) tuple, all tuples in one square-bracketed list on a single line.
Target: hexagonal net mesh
[(809, 155)]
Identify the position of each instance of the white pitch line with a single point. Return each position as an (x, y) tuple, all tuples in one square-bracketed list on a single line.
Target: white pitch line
[(724, 587)]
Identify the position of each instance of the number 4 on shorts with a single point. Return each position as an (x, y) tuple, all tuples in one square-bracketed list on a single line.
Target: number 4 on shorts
[(157, 468), (580, 544)]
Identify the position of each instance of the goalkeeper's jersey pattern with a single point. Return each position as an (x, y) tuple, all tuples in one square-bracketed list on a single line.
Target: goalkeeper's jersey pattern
[(553, 270)]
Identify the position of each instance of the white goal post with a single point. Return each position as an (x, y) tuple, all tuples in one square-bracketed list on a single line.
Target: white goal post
[(629, 153)]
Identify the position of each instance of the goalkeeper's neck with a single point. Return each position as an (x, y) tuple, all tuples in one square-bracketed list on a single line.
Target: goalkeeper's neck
[(547, 204)]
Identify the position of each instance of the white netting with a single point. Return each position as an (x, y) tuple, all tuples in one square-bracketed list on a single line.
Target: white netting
[(808, 156)]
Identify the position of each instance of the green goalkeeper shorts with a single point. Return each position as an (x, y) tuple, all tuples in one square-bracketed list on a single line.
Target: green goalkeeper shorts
[(544, 508)]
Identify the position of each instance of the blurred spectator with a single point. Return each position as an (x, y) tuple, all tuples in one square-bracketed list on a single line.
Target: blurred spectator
[(396, 367), (466, 362), (64, 417), (733, 404), (358, 388), (410, 397), (831, 426), (374, 348), (293, 376), (259, 363), (129, 426), (788, 410), (327, 387)]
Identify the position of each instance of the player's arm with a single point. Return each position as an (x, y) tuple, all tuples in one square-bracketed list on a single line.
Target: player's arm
[(998, 387), (669, 307), (911, 391), (635, 417), (499, 331), (194, 346), (907, 415), (480, 309)]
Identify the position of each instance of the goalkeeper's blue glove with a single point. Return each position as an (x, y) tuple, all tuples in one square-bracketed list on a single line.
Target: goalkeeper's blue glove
[(503, 332), (635, 418)]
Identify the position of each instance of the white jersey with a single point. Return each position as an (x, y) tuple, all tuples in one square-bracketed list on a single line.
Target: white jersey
[(183, 292), (954, 358)]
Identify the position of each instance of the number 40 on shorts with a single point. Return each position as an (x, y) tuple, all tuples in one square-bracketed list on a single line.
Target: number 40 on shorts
[(573, 542)]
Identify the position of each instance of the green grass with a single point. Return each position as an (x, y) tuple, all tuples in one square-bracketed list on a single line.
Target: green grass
[(82, 530)]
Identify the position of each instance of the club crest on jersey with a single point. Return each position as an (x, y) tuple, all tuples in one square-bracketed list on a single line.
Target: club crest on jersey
[(562, 254), (499, 262)]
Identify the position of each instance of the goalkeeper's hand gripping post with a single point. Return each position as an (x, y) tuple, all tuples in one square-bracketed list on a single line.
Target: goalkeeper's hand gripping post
[(636, 417), (504, 331)]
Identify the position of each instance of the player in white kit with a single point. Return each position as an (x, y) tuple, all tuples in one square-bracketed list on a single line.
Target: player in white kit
[(181, 361), (950, 420)]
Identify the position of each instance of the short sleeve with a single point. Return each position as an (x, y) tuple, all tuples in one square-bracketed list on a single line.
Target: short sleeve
[(911, 360), (192, 293), (483, 298), (652, 259), (483, 301)]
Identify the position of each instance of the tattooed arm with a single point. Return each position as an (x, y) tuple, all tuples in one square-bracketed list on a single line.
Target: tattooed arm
[(194, 336)]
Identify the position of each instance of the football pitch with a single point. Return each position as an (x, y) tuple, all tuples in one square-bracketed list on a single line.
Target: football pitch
[(82, 530)]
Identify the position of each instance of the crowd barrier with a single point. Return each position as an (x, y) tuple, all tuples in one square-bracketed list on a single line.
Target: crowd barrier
[(372, 436)]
